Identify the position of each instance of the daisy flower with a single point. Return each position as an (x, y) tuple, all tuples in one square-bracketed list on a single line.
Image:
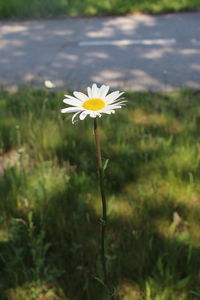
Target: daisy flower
[(49, 84), (95, 103)]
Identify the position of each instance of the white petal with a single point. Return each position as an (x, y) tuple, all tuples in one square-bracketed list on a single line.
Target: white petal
[(80, 96), (71, 109), (114, 106), (103, 91), (73, 102), (117, 102), (113, 96), (89, 90), (83, 115), (109, 112), (68, 96), (94, 114), (74, 116), (95, 91), (71, 97)]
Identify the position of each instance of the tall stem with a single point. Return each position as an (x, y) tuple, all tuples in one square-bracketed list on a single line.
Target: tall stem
[(103, 198)]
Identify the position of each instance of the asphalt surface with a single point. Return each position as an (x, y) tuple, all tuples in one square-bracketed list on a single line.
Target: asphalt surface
[(138, 52)]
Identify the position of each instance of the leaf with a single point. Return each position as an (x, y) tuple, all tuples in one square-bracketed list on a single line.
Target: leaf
[(183, 282), (105, 164), (100, 281)]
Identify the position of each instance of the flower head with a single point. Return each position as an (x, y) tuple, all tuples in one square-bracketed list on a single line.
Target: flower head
[(49, 84), (96, 102)]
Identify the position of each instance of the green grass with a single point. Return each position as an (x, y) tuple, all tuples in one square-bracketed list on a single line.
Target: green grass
[(50, 204), (54, 8)]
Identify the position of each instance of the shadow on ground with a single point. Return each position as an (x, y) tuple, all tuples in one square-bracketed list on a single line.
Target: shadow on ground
[(67, 258), (34, 51)]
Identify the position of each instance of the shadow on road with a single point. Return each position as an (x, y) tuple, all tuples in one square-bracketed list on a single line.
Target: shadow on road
[(34, 51)]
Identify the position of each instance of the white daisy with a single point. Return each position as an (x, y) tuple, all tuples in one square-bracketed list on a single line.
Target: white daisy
[(49, 84), (94, 104)]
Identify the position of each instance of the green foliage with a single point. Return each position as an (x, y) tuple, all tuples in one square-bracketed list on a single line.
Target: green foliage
[(50, 8), (50, 205)]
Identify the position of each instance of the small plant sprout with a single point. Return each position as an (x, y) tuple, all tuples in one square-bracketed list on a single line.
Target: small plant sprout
[(94, 104)]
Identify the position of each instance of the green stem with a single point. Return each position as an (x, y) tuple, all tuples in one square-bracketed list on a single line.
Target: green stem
[(103, 198)]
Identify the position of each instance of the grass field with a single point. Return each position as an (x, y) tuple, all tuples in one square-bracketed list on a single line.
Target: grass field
[(50, 204), (54, 8)]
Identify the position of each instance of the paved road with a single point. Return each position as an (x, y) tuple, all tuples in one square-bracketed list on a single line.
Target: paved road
[(132, 52)]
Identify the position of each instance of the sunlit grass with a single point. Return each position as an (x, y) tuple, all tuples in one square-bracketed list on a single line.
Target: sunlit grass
[(50, 206), (53, 8)]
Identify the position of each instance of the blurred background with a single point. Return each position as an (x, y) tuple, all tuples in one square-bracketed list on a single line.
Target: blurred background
[(50, 206)]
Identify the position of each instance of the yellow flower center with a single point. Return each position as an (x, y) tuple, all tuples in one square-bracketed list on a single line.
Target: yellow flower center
[(94, 104)]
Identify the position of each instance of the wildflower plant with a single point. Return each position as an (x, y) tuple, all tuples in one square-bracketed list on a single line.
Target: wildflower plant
[(94, 104)]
